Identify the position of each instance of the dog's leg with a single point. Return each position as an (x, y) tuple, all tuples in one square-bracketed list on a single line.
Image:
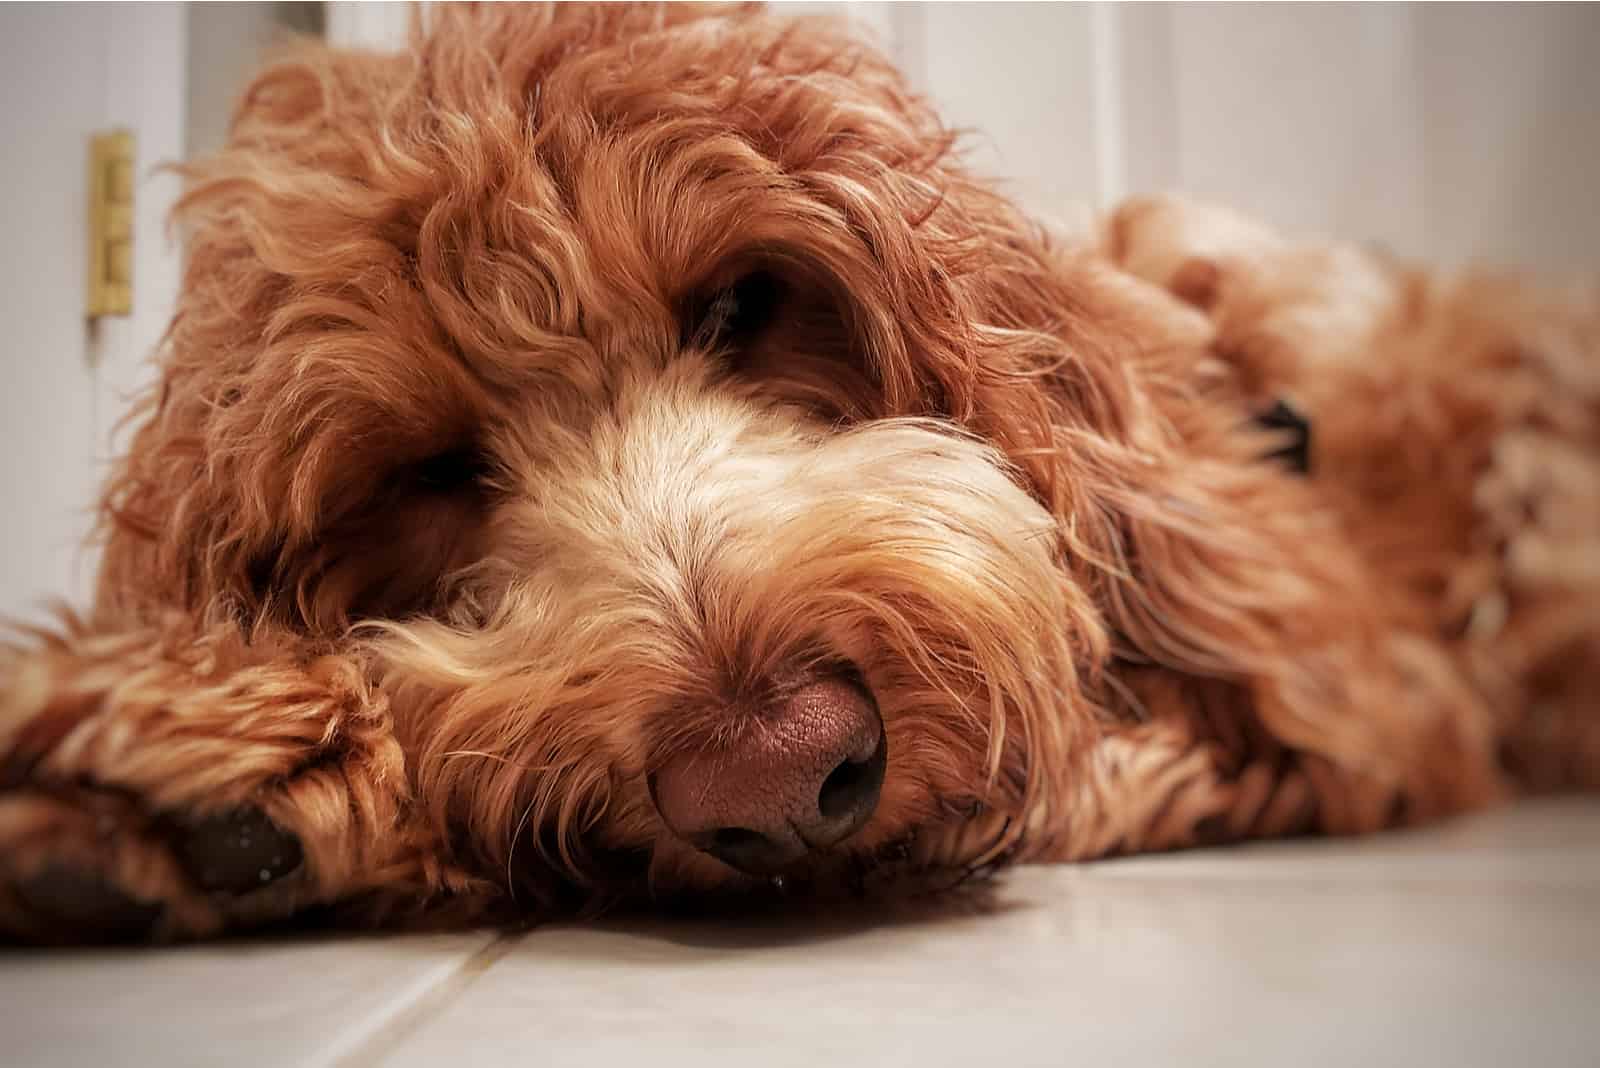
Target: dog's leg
[(1201, 766), (166, 783), (1267, 678), (1458, 422), (1173, 781), (1271, 698), (1274, 681)]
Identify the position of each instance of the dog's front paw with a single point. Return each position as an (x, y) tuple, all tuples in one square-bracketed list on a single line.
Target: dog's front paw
[(176, 784), (80, 905), (88, 865)]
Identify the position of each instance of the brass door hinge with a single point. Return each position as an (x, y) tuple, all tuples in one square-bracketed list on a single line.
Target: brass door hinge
[(111, 224)]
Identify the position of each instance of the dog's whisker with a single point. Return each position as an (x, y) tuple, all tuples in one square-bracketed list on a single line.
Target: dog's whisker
[(483, 755), (516, 839)]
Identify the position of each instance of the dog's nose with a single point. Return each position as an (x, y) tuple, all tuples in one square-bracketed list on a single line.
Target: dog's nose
[(804, 775)]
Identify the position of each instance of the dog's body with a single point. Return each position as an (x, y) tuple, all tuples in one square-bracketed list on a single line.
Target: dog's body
[(567, 424)]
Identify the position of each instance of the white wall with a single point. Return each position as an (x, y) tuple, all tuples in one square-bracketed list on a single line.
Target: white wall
[(377, 24), (1510, 124), (1450, 131), (1306, 114), (68, 71), (46, 407), (1443, 131), (226, 42)]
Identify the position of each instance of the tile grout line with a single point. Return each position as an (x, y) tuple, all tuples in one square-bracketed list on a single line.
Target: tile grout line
[(375, 1043)]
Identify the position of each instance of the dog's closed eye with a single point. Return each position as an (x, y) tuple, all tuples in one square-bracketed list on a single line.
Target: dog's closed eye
[(788, 333), (450, 471), (735, 316)]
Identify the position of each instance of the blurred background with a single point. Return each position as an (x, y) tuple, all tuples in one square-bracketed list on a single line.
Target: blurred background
[(1443, 131)]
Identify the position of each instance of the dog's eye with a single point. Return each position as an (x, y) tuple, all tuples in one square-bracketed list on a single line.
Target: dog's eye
[(737, 315), (451, 470)]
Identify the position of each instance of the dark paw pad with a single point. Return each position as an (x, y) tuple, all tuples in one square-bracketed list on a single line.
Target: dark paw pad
[(78, 906), (236, 852)]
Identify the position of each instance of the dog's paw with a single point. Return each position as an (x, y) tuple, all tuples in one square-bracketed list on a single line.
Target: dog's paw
[(81, 905), (85, 865), (175, 784)]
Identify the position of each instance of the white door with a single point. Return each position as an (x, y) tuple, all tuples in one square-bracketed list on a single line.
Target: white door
[(70, 71)]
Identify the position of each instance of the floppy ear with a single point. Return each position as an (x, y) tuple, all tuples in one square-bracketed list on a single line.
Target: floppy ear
[(303, 347), (213, 481)]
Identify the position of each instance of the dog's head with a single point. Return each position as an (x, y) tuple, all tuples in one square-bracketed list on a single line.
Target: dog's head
[(679, 426)]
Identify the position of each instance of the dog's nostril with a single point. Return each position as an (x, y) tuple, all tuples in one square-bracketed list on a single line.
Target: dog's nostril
[(849, 795), (842, 790)]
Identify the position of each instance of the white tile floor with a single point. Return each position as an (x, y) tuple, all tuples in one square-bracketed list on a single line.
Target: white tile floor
[(1473, 944)]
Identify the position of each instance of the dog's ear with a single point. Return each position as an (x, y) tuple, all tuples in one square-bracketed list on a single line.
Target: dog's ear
[(298, 319)]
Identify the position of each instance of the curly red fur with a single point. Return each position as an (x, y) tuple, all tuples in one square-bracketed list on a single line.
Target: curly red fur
[(450, 520)]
